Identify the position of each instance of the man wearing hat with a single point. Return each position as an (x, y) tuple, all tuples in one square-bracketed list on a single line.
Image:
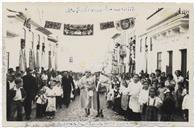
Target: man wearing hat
[(30, 86)]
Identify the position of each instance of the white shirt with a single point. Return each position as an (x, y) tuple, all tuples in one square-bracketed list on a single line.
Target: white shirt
[(11, 85), (186, 103), (44, 77), (124, 90), (18, 95), (178, 79), (156, 101), (134, 91), (58, 90), (143, 96)]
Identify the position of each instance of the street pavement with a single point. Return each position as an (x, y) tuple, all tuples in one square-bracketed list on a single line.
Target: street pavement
[(75, 113)]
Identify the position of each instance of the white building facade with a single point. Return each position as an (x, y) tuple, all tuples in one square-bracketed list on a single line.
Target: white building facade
[(165, 45), (37, 42)]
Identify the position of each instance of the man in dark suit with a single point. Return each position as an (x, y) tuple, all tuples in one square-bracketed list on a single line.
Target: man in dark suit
[(67, 84), (30, 86), (9, 93)]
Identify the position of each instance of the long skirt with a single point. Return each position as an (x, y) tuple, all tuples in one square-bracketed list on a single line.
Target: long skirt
[(99, 101), (151, 113), (83, 98), (102, 101), (51, 105)]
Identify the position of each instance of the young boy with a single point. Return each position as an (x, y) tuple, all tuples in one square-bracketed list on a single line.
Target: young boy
[(51, 105), (41, 101), (161, 90), (168, 106), (58, 92), (19, 96), (143, 98), (153, 104)]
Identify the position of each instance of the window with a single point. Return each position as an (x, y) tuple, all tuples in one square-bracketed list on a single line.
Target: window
[(151, 44), (24, 34), (140, 45), (146, 44), (38, 38), (159, 60), (184, 61), (170, 65), (32, 40)]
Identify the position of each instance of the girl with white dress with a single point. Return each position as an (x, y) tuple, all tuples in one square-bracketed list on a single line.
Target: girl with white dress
[(51, 105)]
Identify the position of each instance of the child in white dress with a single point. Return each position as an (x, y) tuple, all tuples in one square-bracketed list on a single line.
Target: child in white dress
[(51, 106), (58, 93)]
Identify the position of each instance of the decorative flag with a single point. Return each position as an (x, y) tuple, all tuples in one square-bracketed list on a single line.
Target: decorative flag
[(43, 59), (49, 61), (37, 59), (52, 25), (125, 23), (22, 60), (31, 60), (78, 30), (107, 25)]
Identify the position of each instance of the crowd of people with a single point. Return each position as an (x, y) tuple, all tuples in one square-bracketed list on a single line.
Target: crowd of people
[(47, 91), (138, 97), (154, 97)]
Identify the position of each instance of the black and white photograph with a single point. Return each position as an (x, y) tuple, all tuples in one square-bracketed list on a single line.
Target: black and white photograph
[(97, 64)]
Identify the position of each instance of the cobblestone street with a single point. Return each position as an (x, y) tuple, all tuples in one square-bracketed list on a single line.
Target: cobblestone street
[(75, 113)]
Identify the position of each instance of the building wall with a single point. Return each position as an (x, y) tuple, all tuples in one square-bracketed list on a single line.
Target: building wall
[(171, 37), (12, 44)]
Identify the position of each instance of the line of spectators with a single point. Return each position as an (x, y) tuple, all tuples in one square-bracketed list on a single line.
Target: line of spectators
[(154, 97)]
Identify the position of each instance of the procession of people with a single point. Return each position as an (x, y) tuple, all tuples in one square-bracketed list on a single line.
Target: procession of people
[(138, 97)]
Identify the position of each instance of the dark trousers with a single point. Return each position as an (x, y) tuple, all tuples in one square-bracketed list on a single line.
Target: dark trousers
[(40, 110), (28, 107), (58, 101), (133, 116), (8, 112), (16, 108), (166, 117), (117, 105), (51, 113), (67, 98), (185, 113)]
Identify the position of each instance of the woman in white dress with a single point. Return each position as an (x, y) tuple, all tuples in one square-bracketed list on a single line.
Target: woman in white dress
[(87, 89)]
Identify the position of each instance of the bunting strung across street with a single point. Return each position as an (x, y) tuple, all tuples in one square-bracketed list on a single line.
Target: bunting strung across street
[(52, 25), (78, 30), (125, 24), (107, 25)]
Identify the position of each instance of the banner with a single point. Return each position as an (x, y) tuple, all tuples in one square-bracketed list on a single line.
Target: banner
[(78, 30), (22, 60), (107, 25), (52, 25), (31, 59), (125, 23)]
